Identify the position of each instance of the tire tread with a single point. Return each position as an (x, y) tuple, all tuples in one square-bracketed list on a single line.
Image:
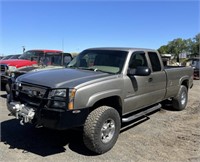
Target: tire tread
[(90, 134)]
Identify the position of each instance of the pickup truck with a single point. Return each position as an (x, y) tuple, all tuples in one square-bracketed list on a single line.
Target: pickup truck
[(28, 59), (49, 61), (101, 89)]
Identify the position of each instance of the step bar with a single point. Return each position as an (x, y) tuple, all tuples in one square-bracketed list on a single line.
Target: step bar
[(140, 114)]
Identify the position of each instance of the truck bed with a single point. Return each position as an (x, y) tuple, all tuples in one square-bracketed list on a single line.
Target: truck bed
[(175, 75)]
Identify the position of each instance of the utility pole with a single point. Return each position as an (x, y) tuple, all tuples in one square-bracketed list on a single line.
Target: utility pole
[(63, 42), (23, 49)]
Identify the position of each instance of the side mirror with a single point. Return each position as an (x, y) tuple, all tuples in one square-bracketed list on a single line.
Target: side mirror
[(139, 71)]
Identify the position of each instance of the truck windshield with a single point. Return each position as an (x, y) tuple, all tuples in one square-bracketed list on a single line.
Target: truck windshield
[(51, 59), (110, 61), (48, 58), (31, 54)]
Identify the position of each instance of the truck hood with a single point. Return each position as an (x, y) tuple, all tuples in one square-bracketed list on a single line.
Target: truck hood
[(49, 67), (37, 68), (61, 78), (18, 62)]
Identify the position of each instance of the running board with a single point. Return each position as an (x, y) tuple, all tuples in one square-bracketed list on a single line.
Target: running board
[(143, 113)]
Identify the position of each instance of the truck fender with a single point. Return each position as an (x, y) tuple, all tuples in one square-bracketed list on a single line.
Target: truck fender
[(102, 95), (184, 80)]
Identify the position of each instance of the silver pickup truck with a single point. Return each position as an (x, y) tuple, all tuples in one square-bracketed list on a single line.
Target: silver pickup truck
[(100, 89)]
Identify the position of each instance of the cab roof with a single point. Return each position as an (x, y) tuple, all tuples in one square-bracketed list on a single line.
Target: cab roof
[(46, 50), (122, 49)]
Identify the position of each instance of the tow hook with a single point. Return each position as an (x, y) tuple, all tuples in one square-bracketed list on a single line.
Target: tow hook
[(24, 113)]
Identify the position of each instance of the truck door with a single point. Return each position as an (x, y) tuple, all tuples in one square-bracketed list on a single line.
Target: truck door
[(157, 85), (142, 91), (136, 87)]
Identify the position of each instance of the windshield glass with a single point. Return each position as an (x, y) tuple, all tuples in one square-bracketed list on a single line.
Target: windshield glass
[(51, 59), (54, 59), (14, 57), (110, 61), (31, 55), (6, 57)]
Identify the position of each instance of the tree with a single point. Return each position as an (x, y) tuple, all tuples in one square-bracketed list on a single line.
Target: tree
[(195, 46), (163, 49), (177, 46), (189, 44)]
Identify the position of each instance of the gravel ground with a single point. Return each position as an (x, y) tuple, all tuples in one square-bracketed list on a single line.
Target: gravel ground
[(167, 136)]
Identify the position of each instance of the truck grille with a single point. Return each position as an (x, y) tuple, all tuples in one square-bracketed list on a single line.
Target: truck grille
[(31, 94), (4, 68)]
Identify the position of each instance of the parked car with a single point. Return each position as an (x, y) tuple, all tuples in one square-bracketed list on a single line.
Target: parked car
[(195, 64), (100, 89)]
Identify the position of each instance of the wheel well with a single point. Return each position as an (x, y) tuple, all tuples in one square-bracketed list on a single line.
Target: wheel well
[(113, 101), (185, 83)]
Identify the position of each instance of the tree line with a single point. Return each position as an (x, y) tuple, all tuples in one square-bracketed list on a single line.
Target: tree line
[(179, 46)]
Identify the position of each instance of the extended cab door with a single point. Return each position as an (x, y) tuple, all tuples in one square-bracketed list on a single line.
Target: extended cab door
[(157, 85), (142, 91)]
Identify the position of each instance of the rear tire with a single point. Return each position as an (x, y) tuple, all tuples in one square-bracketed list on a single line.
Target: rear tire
[(180, 101), (101, 129)]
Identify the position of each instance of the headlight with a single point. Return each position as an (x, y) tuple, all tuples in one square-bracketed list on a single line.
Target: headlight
[(59, 98), (58, 93), (72, 93)]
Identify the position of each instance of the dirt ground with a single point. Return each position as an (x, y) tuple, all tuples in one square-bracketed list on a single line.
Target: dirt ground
[(166, 136)]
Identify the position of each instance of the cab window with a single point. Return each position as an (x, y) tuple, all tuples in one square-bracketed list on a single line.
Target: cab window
[(138, 59), (155, 62)]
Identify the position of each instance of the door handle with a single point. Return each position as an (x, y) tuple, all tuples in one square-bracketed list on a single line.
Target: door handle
[(150, 79)]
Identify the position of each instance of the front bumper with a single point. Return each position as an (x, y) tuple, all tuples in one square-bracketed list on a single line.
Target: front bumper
[(47, 117)]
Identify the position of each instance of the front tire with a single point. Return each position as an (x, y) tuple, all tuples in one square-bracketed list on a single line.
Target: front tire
[(101, 129), (180, 101)]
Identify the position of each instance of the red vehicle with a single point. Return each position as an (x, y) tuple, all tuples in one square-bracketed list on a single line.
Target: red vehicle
[(29, 58)]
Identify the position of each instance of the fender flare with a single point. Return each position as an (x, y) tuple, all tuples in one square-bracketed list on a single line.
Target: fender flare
[(102, 95)]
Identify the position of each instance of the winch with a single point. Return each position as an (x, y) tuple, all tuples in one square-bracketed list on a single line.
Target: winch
[(24, 113)]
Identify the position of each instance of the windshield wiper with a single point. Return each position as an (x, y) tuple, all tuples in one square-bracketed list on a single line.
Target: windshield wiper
[(85, 68), (90, 69), (95, 69), (72, 67)]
